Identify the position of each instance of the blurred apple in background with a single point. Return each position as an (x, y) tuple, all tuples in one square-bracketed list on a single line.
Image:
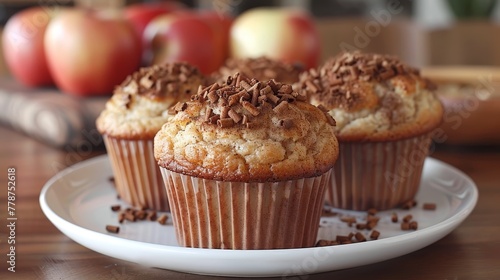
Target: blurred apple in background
[(140, 14), (23, 47), (284, 34), (185, 36), (221, 25), (90, 52)]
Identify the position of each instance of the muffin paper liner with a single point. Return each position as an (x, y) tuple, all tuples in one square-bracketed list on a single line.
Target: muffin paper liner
[(380, 175), (137, 176), (238, 215)]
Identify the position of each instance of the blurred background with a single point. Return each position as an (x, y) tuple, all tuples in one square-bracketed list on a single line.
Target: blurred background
[(423, 32), (455, 42)]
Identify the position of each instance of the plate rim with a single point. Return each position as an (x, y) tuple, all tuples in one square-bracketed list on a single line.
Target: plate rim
[(443, 227)]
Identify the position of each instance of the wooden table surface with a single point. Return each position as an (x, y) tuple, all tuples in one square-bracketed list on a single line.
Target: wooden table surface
[(472, 251)]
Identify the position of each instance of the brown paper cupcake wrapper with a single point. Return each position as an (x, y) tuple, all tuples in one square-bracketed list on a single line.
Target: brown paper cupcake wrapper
[(379, 175), (137, 176), (237, 215)]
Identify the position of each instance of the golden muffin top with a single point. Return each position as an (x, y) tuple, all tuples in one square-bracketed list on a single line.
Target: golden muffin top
[(139, 106), (373, 97), (247, 131)]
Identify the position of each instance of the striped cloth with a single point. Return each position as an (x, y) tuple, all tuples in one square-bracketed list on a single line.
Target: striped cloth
[(58, 119)]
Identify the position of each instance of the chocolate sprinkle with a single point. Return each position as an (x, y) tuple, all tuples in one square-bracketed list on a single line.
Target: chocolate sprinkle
[(229, 104), (338, 82), (158, 81), (112, 229), (262, 68)]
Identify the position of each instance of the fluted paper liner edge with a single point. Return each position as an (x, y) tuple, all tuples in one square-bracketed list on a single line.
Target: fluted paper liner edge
[(380, 175), (137, 176), (237, 215)]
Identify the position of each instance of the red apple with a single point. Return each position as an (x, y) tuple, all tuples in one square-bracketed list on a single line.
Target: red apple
[(90, 52), (284, 34), (140, 14), (221, 24), (182, 36), (23, 46)]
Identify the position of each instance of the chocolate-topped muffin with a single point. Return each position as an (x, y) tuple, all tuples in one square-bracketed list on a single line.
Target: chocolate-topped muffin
[(245, 164), (260, 68), (384, 111), (132, 117)]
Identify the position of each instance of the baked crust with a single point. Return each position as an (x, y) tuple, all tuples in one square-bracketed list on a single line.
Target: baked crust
[(287, 139), (139, 106), (373, 97)]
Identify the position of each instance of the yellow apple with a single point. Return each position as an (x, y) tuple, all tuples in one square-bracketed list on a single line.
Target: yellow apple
[(284, 34)]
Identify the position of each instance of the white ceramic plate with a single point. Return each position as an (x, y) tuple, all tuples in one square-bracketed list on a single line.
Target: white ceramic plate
[(77, 201)]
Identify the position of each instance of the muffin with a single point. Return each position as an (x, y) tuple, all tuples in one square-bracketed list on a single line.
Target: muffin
[(385, 112), (245, 166), (128, 124), (260, 68)]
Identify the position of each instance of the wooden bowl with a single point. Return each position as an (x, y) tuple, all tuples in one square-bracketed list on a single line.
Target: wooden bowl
[(471, 98)]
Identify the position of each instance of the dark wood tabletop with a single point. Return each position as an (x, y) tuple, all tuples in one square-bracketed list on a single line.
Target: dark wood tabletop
[(471, 251)]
